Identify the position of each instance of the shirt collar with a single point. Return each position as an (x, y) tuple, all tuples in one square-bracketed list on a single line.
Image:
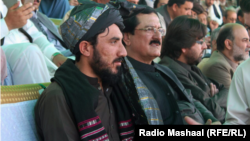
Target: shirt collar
[(141, 66), (186, 66), (93, 81), (231, 63)]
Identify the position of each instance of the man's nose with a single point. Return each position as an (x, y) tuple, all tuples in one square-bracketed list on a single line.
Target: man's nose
[(204, 45), (122, 51)]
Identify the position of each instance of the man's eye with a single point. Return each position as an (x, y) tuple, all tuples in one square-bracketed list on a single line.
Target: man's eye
[(149, 29), (246, 40), (113, 42)]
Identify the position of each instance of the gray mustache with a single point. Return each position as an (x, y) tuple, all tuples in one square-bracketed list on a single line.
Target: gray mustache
[(247, 49)]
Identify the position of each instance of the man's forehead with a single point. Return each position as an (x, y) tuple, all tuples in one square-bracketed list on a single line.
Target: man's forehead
[(240, 31), (147, 18), (203, 14), (231, 13), (112, 32)]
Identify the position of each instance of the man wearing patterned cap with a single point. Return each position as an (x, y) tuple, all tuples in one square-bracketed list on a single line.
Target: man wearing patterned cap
[(79, 103)]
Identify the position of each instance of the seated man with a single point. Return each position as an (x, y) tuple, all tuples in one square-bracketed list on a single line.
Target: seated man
[(224, 4), (232, 48), (199, 13), (153, 92), (47, 27), (240, 17), (197, 10), (238, 105), (215, 13), (159, 3), (182, 50), (230, 16), (174, 9), (79, 104), (31, 56), (205, 58), (211, 24)]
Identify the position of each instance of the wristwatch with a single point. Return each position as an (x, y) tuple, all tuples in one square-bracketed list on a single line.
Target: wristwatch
[(55, 54)]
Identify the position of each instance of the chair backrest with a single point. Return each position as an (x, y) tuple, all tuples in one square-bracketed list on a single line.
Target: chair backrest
[(17, 112), (19, 93)]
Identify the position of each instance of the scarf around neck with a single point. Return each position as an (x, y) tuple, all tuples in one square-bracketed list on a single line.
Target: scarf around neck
[(82, 99), (146, 99)]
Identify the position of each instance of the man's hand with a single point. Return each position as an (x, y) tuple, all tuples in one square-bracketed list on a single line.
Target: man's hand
[(59, 60), (73, 2), (18, 17), (190, 121), (208, 42), (213, 89), (213, 25)]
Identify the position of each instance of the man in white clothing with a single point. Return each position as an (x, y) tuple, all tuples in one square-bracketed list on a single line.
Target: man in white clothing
[(32, 58), (214, 10), (238, 110)]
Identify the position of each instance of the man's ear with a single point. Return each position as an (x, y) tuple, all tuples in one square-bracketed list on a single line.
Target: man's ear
[(175, 7), (126, 38), (240, 18), (184, 50), (214, 44), (228, 44), (224, 19), (85, 48)]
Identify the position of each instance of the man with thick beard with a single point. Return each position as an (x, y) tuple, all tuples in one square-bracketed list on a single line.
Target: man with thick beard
[(79, 104), (182, 49)]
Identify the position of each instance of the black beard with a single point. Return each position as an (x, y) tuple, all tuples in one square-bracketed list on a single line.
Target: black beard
[(105, 74), (109, 78)]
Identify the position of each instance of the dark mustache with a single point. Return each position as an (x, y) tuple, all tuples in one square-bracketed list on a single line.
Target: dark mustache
[(118, 60), (155, 41)]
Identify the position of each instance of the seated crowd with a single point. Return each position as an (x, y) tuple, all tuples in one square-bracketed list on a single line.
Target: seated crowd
[(116, 64)]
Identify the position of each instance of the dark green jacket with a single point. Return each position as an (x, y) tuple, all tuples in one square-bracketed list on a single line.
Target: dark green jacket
[(200, 87), (125, 89)]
